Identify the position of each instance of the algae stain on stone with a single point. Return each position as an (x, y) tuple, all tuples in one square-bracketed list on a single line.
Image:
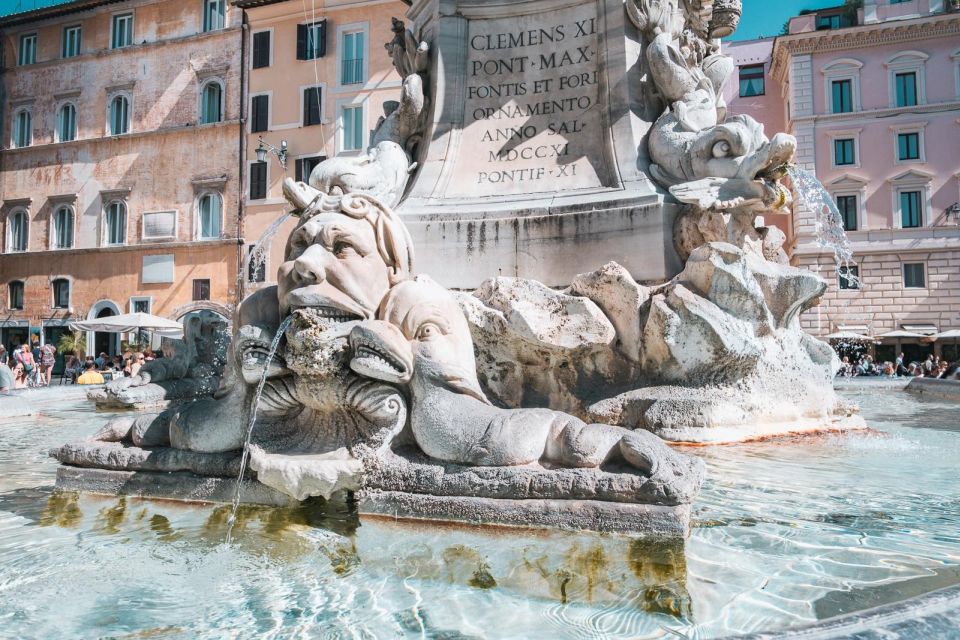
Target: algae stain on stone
[(160, 525), (482, 578), (62, 510), (110, 518)]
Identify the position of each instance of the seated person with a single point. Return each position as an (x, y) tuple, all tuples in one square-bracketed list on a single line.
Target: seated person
[(19, 376), (90, 375)]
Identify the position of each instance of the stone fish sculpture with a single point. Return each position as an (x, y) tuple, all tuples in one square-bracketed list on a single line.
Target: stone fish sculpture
[(423, 342)]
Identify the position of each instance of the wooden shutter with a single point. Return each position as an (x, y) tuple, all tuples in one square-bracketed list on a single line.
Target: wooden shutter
[(259, 117), (322, 32), (311, 106), (301, 42), (299, 170), (258, 180), (201, 289), (261, 49)]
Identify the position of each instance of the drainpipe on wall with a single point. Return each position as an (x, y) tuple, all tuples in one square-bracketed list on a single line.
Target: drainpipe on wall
[(241, 164)]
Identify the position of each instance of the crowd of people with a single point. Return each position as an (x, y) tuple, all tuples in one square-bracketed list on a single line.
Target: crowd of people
[(931, 367), (32, 366)]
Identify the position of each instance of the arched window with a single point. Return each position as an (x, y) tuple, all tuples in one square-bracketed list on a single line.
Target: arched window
[(17, 231), (15, 295), (22, 128), (63, 228), (67, 123), (211, 102), (211, 207), (119, 115), (61, 293), (116, 218)]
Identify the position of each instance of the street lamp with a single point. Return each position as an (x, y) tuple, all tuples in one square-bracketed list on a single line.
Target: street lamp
[(266, 147)]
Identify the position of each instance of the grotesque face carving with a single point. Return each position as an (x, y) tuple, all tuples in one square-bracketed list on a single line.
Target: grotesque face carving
[(333, 265)]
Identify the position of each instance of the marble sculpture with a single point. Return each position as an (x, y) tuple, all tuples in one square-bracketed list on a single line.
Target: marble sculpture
[(515, 403)]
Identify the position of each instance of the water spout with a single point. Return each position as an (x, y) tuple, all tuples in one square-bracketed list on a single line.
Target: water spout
[(258, 251), (829, 222), (254, 407)]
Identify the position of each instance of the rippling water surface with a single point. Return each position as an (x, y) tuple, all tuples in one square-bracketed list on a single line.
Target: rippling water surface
[(786, 533)]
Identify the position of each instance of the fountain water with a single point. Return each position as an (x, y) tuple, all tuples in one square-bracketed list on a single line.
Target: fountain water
[(255, 405), (829, 222), (258, 251)]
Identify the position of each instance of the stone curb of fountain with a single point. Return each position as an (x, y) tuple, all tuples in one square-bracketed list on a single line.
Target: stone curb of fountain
[(934, 388), (932, 615)]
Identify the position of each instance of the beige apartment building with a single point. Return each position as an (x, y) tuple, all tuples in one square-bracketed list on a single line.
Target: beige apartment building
[(119, 173), (318, 78)]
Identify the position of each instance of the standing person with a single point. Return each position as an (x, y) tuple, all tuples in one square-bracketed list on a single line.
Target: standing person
[(35, 348), (928, 365), (24, 358), (90, 375), (48, 357), (3, 354)]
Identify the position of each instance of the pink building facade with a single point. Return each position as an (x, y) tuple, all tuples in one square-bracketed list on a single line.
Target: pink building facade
[(874, 101)]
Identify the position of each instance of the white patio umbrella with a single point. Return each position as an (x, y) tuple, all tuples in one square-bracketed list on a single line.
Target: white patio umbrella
[(849, 335), (946, 335), (900, 333), (131, 323)]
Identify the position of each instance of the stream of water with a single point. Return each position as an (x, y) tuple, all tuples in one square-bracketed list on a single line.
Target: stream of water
[(257, 255), (829, 222), (254, 407)]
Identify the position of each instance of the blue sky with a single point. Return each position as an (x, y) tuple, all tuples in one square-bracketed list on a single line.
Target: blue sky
[(760, 17), (766, 17)]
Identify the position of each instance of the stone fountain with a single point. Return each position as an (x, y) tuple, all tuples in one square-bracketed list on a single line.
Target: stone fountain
[(533, 141)]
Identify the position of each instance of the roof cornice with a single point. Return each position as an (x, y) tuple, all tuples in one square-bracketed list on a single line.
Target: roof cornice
[(53, 11), (942, 25)]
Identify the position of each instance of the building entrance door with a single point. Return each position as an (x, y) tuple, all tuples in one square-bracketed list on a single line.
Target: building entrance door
[(104, 342)]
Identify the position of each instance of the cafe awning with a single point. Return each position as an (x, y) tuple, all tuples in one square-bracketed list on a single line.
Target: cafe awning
[(131, 323), (901, 334)]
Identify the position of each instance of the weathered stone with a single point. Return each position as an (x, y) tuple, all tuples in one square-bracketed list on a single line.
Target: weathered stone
[(122, 457), (621, 299)]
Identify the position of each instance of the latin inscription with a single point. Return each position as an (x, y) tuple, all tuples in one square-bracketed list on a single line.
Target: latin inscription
[(531, 115)]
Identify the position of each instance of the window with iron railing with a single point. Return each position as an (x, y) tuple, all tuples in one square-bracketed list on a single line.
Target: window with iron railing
[(351, 61)]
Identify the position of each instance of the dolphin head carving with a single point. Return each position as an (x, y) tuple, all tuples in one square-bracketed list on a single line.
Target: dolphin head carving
[(421, 336)]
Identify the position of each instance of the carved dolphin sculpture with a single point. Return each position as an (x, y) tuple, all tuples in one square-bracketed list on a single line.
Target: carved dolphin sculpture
[(423, 341)]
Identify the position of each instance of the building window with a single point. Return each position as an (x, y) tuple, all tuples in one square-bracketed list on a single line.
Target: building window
[(914, 276), (119, 115), (61, 293), (71, 41), (140, 305), (304, 167), (211, 102), (67, 123), (201, 289), (259, 113), (832, 22), (842, 96), (63, 228), (160, 225), (256, 264), (22, 128), (847, 205), (210, 206), (910, 209), (261, 49), (908, 146), (116, 223), (752, 81), (122, 31), (258, 180), (312, 40), (906, 88), (214, 14), (15, 295), (311, 106), (18, 232), (849, 277), (352, 124), (351, 69), (844, 152), (28, 49)]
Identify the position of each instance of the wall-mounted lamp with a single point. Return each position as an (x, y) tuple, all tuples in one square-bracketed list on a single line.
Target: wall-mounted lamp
[(266, 147), (954, 210)]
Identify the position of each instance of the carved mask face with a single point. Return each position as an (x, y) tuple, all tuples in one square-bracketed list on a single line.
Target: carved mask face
[(333, 266), (422, 334)]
